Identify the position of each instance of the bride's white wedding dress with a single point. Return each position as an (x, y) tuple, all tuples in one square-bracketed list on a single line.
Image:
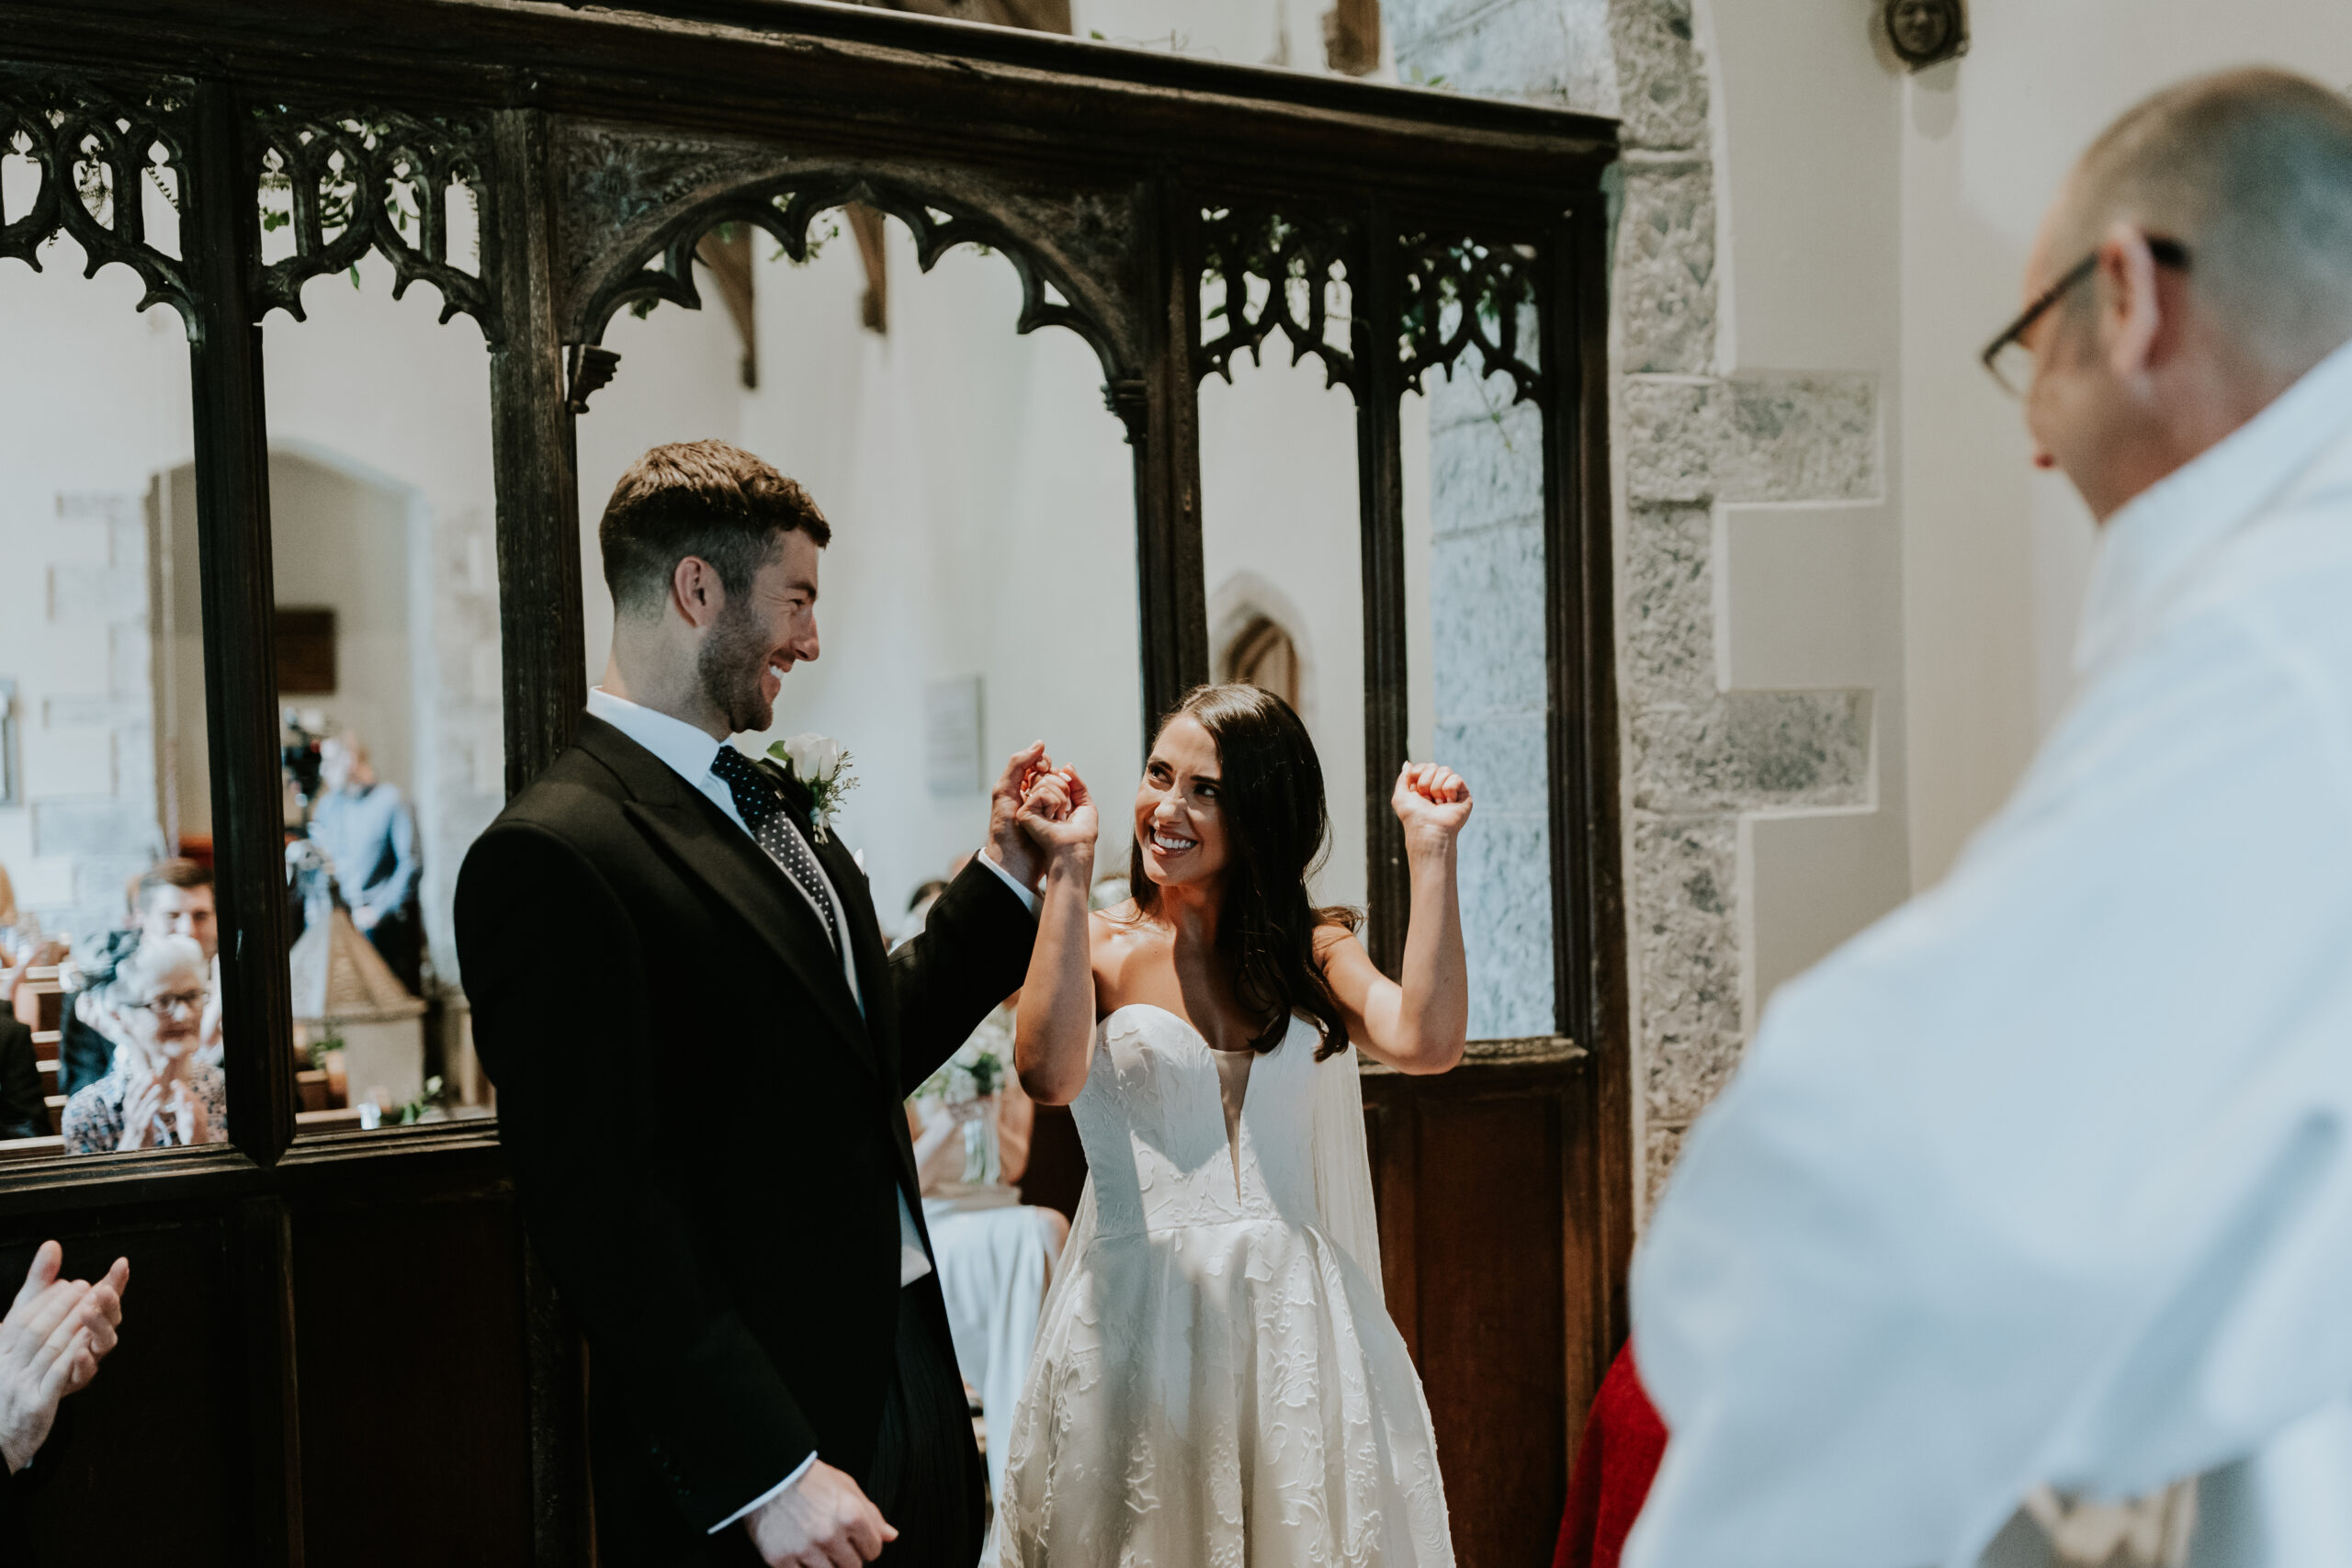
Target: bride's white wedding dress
[(1217, 1380)]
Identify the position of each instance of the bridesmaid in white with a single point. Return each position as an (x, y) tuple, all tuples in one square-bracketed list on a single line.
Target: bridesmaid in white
[(1217, 1380)]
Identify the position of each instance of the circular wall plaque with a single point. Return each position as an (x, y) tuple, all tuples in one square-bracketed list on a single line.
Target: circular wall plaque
[(1926, 32)]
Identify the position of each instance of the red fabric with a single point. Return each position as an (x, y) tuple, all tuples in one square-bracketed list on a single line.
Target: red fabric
[(1623, 1440)]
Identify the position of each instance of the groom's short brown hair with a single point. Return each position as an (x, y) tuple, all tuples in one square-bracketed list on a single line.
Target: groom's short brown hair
[(698, 498)]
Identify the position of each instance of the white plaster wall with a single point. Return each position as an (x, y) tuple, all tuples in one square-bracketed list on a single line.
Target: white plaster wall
[(77, 451), (1995, 554), (1810, 596)]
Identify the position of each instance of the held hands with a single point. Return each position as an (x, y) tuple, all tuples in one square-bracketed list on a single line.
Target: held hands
[(1432, 801), (1059, 815), (56, 1332), (1012, 847), (822, 1521)]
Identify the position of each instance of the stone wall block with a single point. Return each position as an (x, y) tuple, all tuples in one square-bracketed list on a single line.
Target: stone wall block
[(1664, 279), (1505, 757), (104, 509), (1486, 599), (1488, 468), (76, 713), (99, 827), (1686, 941), (1506, 880), (1753, 751), (1661, 1148), (97, 593), (1551, 51), (1661, 86), (1762, 438), (1667, 632)]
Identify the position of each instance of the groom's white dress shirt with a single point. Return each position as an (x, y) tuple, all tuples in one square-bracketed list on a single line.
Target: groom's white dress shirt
[(2048, 1176), (688, 751)]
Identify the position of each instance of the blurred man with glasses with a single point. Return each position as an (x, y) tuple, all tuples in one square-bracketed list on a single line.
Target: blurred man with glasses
[(2041, 1191)]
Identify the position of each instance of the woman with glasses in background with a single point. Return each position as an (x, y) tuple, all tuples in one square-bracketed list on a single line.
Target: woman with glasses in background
[(160, 1093)]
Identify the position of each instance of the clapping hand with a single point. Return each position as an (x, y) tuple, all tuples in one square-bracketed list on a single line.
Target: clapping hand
[(1059, 815), (1432, 801), (55, 1334), (141, 1106)]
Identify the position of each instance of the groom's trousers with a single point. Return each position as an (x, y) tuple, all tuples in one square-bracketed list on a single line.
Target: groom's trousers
[(927, 1478)]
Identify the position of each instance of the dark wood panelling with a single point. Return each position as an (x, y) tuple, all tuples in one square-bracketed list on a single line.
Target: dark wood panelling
[(154, 1450), (416, 1443), (1467, 1171)]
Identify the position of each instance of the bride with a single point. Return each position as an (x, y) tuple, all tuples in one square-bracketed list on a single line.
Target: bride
[(1216, 1379)]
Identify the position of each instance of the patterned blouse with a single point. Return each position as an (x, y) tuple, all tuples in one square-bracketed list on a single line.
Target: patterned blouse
[(93, 1122)]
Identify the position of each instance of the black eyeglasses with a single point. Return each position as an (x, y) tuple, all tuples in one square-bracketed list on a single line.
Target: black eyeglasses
[(2007, 357)]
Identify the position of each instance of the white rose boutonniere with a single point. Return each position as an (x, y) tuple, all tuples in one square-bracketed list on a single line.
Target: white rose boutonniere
[(822, 764)]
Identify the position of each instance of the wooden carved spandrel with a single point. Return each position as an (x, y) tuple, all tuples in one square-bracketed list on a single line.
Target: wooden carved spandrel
[(1263, 272), (634, 206), (98, 161), (410, 187), (1460, 293)]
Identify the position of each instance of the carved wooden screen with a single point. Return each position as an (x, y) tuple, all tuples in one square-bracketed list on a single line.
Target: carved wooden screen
[(598, 147)]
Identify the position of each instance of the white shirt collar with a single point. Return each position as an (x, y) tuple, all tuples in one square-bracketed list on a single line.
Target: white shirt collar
[(687, 750), (2149, 547)]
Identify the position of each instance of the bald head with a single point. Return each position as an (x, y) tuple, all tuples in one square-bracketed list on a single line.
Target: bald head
[(2252, 171)]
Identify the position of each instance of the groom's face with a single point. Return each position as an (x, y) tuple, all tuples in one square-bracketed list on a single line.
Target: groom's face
[(759, 637)]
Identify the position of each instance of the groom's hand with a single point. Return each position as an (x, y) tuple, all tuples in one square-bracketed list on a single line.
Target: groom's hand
[(1022, 858), (822, 1520)]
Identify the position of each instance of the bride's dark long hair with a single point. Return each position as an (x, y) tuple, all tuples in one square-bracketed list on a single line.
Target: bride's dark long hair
[(1277, 829)]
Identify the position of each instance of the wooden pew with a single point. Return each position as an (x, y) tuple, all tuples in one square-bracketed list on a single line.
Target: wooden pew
[(30, 1148), (40, 1000)]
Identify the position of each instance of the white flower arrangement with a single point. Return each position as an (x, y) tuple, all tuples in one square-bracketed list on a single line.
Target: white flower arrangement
[(822, 764), (978, 1067)]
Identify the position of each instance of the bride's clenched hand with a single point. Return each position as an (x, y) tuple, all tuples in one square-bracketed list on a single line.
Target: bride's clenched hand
[(1059, 816), (1432, 801)]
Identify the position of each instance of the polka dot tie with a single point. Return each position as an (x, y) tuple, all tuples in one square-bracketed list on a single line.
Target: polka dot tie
[(762, 801)]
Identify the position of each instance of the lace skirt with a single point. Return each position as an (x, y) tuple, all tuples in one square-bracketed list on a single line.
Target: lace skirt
[(1220, 1395)]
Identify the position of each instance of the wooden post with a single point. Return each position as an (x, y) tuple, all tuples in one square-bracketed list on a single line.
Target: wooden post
[(1380, 500), (544, 663), (542, 647), (1169, 578), (1588, 857), (231, 444)]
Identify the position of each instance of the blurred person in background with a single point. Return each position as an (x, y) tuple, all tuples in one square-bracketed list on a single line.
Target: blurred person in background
[(369, 834)]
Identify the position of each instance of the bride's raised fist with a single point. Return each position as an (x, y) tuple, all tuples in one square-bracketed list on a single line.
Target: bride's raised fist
[(1431, 799)]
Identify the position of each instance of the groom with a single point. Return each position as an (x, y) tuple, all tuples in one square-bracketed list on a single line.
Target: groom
[(701, 1049)]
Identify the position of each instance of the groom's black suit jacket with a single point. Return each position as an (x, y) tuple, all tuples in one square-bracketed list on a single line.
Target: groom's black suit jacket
[(708, 1140)]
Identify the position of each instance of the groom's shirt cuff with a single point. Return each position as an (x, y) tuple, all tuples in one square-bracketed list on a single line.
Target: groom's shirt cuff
[(764, 1498), (1027, 895)]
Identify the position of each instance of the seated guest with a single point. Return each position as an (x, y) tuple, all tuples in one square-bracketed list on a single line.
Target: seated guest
[(23, 1112), (368, 834), (85, 1049), (174, 898), (158, 1094), (994, 1254)]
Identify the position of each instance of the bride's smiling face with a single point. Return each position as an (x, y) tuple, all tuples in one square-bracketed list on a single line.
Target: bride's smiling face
[(1180, 806)]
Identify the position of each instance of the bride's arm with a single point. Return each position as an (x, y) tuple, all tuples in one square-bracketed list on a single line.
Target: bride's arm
[(1417, 1026), (1054, 1030)]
